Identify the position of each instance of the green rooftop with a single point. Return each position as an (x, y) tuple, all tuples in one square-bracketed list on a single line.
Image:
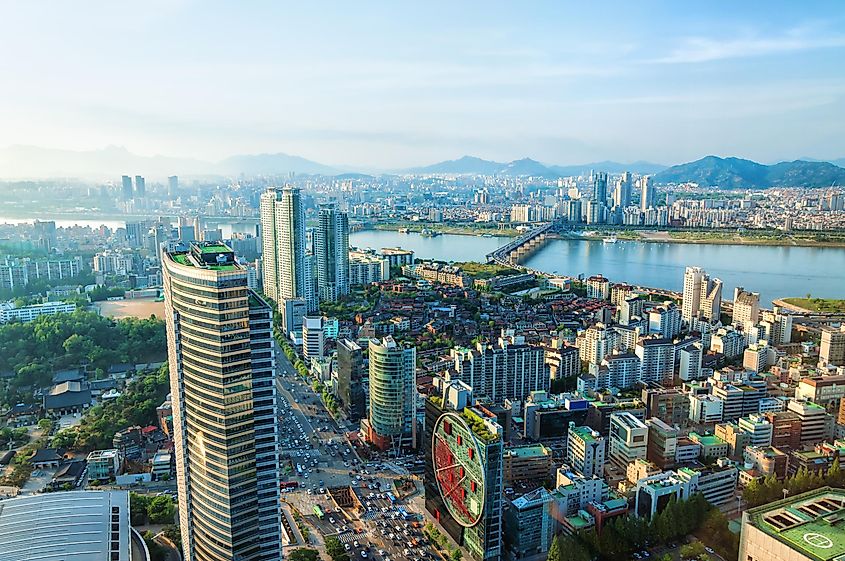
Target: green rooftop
[(584, 433), (214, 248), (707, 439), (812, 524)]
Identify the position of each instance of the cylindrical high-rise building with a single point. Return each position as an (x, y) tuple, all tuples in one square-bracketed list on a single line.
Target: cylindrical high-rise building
[(392, 393), (225, 407)]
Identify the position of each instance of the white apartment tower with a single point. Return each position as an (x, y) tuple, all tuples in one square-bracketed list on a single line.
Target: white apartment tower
[(332, 251), (746, 307), (702, 296), (283, 239)]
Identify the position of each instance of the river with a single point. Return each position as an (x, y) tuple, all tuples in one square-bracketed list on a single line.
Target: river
[(774, 272)]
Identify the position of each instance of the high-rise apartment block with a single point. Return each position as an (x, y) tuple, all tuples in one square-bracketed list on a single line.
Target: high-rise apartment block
[(225, 407), (647, 194), (746, 307), (332, 253), (832, 347), (665, 320), (702, 296), (283, 239), (126, 187), (140, 186), (510, 370)]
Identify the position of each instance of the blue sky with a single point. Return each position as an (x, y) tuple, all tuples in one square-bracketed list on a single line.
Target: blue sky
[(389, 84)]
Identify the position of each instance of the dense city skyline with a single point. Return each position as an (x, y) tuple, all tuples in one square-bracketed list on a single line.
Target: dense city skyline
[(380, 86), (404, 282)]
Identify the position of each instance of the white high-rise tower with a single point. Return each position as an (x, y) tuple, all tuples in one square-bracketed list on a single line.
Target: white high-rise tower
[(332, 251), (283, 240)]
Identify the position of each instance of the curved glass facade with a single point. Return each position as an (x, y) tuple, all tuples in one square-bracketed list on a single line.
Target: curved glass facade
[(212, 322)]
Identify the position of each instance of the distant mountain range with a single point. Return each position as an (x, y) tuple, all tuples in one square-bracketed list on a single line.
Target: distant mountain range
[(470, 165), (736, 173), (113, 161)]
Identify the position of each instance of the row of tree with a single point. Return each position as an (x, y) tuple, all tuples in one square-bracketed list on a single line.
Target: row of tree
[(771, 488), (34, 351), (625, 535)]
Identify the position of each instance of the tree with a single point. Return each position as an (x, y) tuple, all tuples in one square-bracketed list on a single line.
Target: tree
[(554, 551), (46, 425), (692, 550), (335, 549), (157, 553), (138, 505), (456, 555), (161, 510), (303, 554)]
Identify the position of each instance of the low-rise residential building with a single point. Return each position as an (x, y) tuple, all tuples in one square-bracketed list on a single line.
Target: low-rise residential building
[(712, 447), (653, 493), (103, 465), (528, 524), (705, 408), (162, 465), (628, 439), (527, 463)]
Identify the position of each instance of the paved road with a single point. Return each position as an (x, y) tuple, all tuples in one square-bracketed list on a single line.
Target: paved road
[(304, 417)]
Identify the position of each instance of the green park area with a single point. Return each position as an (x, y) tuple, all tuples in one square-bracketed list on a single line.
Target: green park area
[(818, 304)]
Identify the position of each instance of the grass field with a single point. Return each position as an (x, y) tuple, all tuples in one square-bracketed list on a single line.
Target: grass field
[(818, 304)]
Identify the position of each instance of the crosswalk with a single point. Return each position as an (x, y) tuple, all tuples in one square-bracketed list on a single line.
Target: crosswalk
[(346, 537)]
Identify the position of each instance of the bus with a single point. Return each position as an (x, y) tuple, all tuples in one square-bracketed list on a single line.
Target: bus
[(391, 497), (318, 512)]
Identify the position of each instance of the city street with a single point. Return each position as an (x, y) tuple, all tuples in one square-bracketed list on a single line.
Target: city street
[(320, 458)]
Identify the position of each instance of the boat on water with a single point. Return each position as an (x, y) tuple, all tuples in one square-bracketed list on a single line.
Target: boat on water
[(610, 239), (403, 230), (429, 233)]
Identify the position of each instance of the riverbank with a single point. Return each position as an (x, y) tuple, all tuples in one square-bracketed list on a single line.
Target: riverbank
[(715, 238), (442, 228), (788, 271), (772, 238)]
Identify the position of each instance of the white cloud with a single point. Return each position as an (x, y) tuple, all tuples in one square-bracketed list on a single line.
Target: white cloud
[(706, 49)]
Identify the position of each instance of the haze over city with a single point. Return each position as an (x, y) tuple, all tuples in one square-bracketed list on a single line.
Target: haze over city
[(482, 281), (380, 85)]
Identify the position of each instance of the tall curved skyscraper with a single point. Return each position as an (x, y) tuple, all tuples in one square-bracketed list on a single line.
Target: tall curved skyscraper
[(225, 407), (391, 422)]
